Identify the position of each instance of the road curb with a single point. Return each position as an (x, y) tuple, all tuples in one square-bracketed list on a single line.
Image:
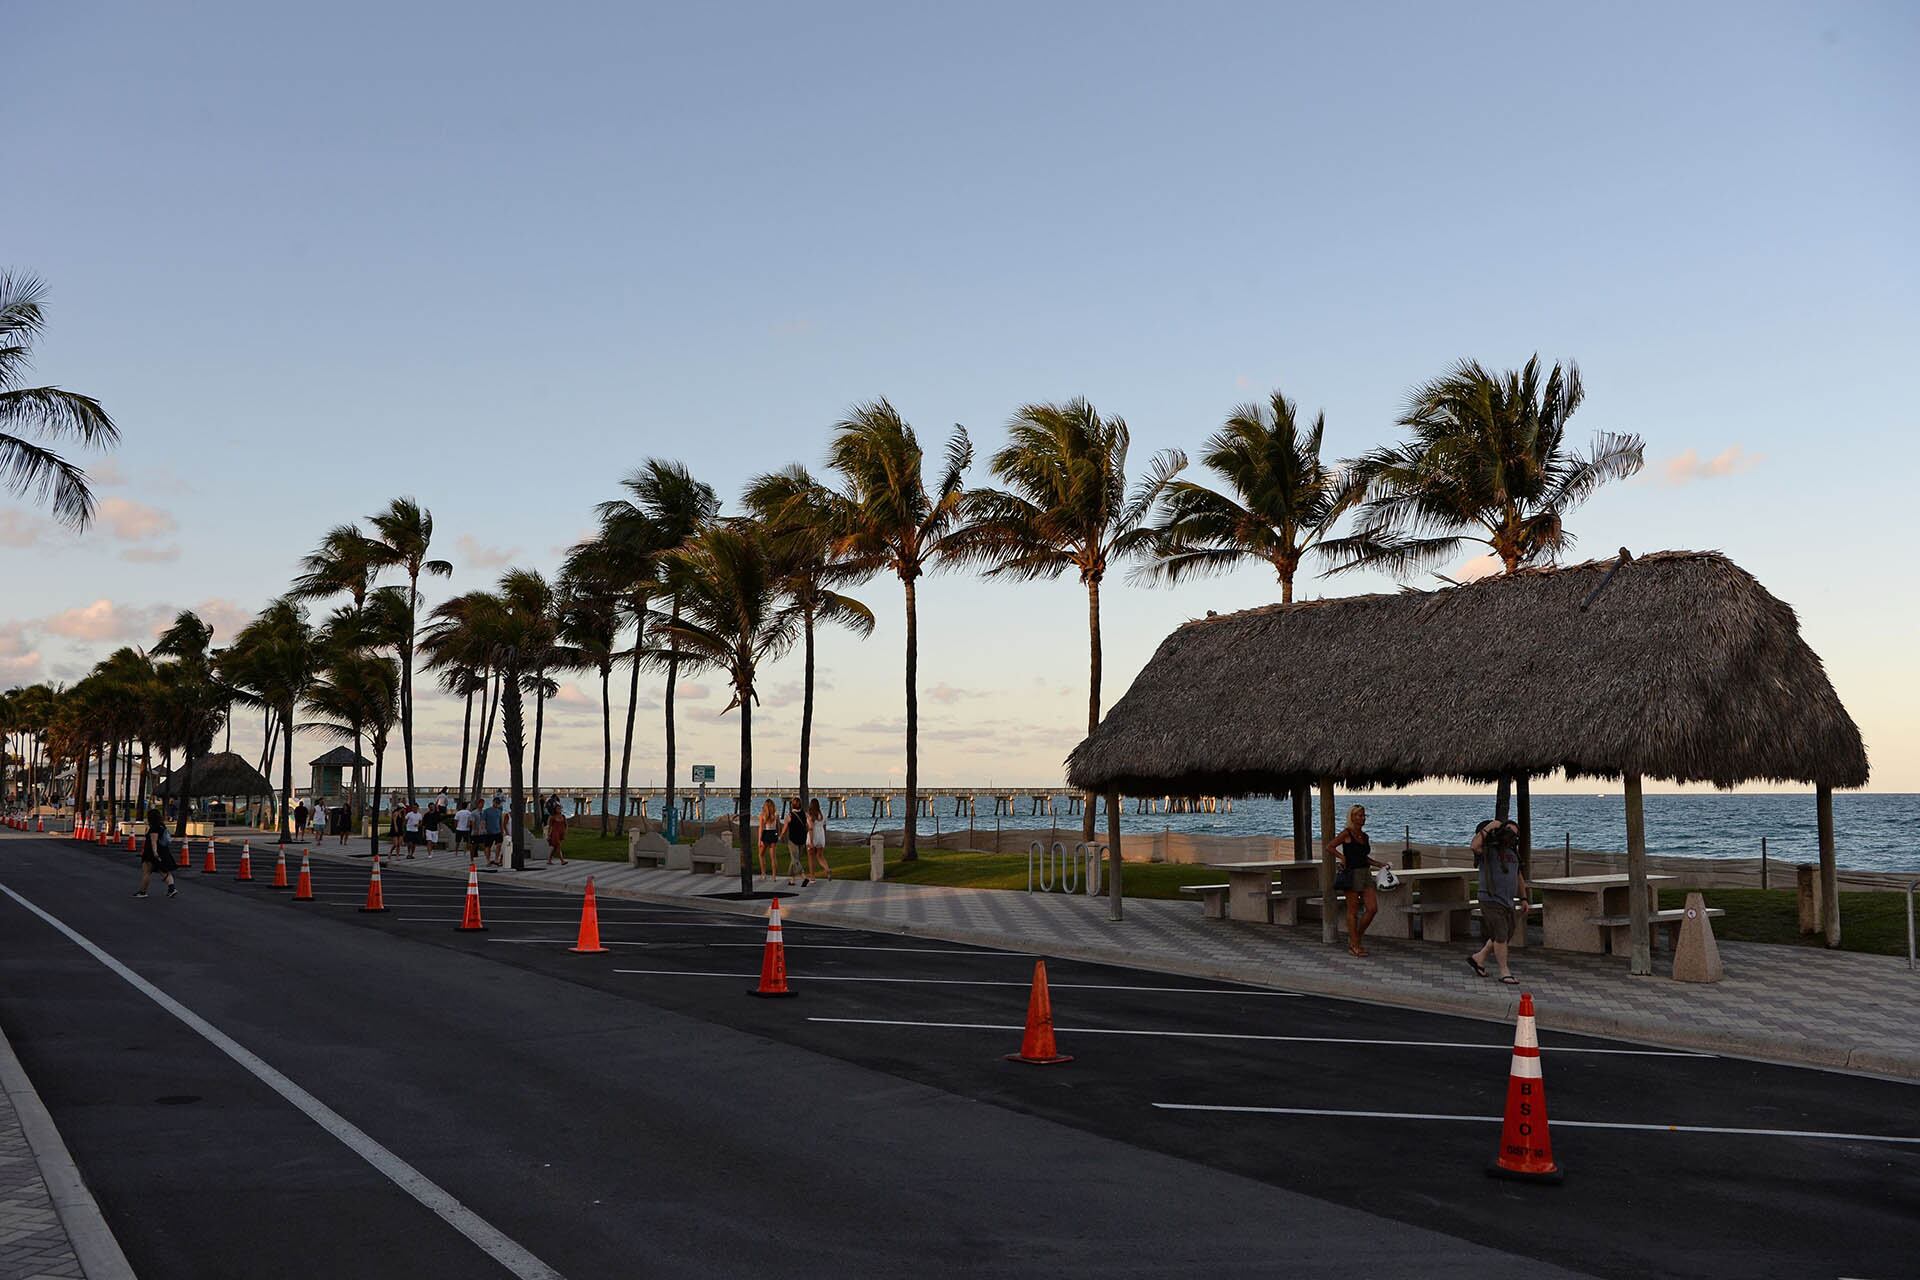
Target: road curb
[(1654, 1032), (93, 1242)]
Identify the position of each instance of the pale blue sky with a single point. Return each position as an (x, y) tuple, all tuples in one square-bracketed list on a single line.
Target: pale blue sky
[(495, 256)]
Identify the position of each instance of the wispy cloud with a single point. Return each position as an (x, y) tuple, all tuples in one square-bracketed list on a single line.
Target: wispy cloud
[(1688, 466), (18, 529), (128, 521), (150, 555), (19, 660), (469, 553), (947, 695), (1479, 567)]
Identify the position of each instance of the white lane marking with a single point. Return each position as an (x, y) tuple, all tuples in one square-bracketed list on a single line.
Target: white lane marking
[(491, 1240), (1247, 1035), (970, 982), (797, 946), (1556, 1122), (504, 918)]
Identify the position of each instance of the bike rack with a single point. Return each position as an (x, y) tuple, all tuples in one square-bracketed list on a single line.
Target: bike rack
[(1053, 862)]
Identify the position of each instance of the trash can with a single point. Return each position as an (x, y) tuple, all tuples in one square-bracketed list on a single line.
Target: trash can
[(878, 869)]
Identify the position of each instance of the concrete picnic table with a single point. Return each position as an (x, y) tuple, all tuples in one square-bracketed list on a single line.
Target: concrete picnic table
[(1569, 902), (1440, 888), (1251, 887)]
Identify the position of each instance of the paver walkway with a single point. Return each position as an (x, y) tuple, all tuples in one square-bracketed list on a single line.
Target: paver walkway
[(33, 1244), (1789, 1004)]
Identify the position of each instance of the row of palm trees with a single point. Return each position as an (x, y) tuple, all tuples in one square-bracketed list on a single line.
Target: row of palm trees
[(668, 583)]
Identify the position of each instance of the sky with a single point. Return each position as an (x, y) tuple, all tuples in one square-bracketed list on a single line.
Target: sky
[(496, 256)]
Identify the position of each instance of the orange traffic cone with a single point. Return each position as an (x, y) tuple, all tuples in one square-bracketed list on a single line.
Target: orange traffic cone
[(589, 943), (280, 870), (246, 863), (773, 959), (132, 844), (209, 867), (303, 892), (374, 901), (470, 919), (41, 827), (1037, 1047), (1526, 1148)]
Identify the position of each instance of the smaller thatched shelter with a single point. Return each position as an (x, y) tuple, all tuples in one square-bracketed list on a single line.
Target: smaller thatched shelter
[(219, 776), (1678, 665)]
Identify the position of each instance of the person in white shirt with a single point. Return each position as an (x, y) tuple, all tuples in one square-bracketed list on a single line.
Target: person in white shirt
[(413, 829), (462, 826), (317, 820)]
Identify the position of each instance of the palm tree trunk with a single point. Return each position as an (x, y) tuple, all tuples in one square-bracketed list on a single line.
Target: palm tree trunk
[(673, 678), (379, 780), (466, 740), (1286, 587), (513, 731), (406, 675), (186, 792), (909, 850), (1089, 815), (286, 776), (359, 793), (744, 805), (539, 728), (806, 708), (489, 709), (606, 741), (146, 774), (113, 782), (633, 705)]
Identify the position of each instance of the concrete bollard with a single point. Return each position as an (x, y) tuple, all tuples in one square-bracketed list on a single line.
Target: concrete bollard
[(1696, 958), (878, 869)]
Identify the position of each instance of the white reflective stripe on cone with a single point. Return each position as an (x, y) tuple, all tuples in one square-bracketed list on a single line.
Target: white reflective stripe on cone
[(1524, 1036), (1525, 1067)]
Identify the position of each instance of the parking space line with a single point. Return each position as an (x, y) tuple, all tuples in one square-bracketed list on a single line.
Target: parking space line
[(972, 982), (604, 921), (489, 1238), (1504, 1047), (1557, 1122), (791, 946)]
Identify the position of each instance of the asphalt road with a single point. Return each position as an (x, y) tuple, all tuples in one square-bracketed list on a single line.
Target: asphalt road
[(632, 1114)]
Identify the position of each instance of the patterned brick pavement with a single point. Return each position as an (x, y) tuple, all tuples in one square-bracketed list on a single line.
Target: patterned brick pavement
[(33, 1244), (1791, 1004)]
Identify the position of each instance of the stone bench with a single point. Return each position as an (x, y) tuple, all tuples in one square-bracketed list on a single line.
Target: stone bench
[(650, 849), (1213, 898), (713, 854), (1620, 928)]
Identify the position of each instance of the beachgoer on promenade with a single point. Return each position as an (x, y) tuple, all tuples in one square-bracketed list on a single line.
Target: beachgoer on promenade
[(430, 824), (556, 834), (413, 829), (492, 824), (1496, 851), (317, 821), (462, 826), (396, 825), (795, 830), (156, 854), (768, 843), (817, 840), (1355, 876), (341, 817), (300, 813)]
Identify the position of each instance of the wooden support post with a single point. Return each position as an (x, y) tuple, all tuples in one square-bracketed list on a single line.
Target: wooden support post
[(1329, 918), (1642, 961), (1113, 855), (1523, 812), (1829, 875), (1302, 824)]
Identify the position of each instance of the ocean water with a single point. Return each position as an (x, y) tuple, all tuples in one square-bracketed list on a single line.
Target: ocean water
[(1873, 831)]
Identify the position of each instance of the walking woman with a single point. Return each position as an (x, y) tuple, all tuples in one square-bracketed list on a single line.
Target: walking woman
[(396, 825), (796, 833), (817, 840), (556, 833), (769, 842), (156, 854), (1356, 877)]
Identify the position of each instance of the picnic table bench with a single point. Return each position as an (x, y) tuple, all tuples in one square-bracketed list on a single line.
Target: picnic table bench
[(1575, 905), (1620, 927), (1269, 892)]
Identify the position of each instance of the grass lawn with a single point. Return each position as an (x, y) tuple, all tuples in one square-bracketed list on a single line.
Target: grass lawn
[(1870, 922)]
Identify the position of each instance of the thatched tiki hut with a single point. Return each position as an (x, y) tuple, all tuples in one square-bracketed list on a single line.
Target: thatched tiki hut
[(221, 775), (1677, 666)]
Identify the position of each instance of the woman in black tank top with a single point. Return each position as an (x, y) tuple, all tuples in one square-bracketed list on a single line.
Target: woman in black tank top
[(1356, 877)]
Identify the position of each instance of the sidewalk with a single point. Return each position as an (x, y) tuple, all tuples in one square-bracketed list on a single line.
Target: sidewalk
[(1799, 1005), (48, 1219)]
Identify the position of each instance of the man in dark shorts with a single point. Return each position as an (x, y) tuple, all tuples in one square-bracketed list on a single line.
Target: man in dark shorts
[(156, 854), (1496, 851), (492, 823)]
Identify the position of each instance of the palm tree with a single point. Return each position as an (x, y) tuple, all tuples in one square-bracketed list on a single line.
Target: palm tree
[(533, 596), (404, 533), (1488, 465), (734, 615), (345, 563), (802, 517), (354, 693), (676, 508), (590, 629), (892, 521), (620, 566), (1065, 506), (464, 661), (192, 704), (1278, 504), (27, 468), (272, 663)]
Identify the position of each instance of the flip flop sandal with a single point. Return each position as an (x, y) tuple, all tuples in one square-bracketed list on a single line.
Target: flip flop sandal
[(1510, 980), (1475, 966)]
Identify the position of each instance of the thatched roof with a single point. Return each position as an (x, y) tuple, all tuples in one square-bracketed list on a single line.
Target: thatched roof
[(342, 757), (1683, 667), (220, 774)]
